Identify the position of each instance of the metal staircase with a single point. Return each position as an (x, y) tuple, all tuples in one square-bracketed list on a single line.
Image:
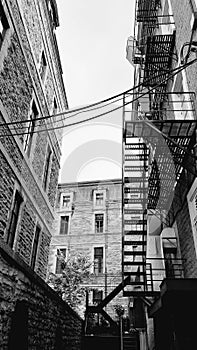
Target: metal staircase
[(135, 194), (131, 341)]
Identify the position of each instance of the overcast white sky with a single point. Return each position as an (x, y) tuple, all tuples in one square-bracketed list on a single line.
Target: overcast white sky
[(92, 41)]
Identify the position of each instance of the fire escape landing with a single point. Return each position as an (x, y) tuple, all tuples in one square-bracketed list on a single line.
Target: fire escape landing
[(155, 154)]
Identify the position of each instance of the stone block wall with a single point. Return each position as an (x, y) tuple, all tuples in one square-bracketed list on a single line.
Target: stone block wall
[(29, 32), (82, 238), (32, 315)]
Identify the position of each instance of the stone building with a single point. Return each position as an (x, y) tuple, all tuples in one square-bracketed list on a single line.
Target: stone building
[(89, 221), (159, 246), (31, 88)]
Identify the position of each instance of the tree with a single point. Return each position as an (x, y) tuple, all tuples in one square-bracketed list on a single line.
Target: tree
[(69, 284)]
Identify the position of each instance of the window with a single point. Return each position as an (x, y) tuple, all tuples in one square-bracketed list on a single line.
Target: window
[(35, 246), (61, 258), (99, 199), (46, 167), (97, 296), (30, 129), (3, 24), (66, 200), (170, 262), (64, 222), (99, 223), (14, 218), (43, 66), (54, 112), (98, 260)]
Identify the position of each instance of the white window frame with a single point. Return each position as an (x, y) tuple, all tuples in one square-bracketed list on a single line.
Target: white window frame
[(104, 198), (69, 207), (92, 258), (104, 221), (69, 222)]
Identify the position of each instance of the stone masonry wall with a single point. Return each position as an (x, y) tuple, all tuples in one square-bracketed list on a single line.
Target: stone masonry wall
[(27, 223), (32, 315), (83, 239)]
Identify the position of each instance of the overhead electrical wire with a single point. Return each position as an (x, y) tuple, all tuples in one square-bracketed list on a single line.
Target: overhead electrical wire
[(173, 73), (80, 110)]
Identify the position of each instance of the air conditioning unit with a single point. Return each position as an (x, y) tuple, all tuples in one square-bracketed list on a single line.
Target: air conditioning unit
[(134, 56)]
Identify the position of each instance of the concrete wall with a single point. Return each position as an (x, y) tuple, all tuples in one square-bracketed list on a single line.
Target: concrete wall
[(32, 314)]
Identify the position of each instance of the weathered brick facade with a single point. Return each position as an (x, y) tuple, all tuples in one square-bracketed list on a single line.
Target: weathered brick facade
[(82, 237)]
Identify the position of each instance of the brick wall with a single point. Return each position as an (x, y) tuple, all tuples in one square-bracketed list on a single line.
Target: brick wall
[(32, 315)]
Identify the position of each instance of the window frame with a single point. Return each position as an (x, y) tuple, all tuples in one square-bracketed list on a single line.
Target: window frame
[(95, 227), (97, 192), (47, 166), (14, 217), (98, 300), (59, 248), (4, 23), (35, 246), (68, 207), (28, 140), (68, 225), (43, 66), (98, 273)]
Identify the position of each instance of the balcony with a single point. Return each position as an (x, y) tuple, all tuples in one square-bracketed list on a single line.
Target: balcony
[(158, 59), (147, 10), (156, 270)]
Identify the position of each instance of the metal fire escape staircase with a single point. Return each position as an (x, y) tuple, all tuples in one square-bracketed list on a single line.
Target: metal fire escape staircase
[(135, 195)]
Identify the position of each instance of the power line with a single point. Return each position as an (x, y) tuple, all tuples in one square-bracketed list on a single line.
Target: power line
[(175, 71), (82, 109)]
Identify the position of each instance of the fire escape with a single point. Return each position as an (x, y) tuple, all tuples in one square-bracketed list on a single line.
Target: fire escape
[(158, 137)]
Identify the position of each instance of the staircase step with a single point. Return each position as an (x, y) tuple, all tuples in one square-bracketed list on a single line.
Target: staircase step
[(140, 293), (129, 179), (135, 211), (134, 200), (135, 273), (135, 283), (135, 253), (143, 243), (136, 232), (132, 168), (135, 190), (135, 221), (134, 263)]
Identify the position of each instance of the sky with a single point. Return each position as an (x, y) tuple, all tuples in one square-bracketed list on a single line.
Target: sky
[(92, 42)]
